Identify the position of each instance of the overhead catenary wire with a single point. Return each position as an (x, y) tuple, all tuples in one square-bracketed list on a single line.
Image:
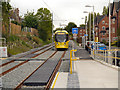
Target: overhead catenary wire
[(53, 12)]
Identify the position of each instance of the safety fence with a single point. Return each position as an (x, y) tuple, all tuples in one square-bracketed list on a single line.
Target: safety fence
[(111, 57)]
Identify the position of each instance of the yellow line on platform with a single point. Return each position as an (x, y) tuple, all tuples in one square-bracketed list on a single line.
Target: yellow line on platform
[(3, 58), (55, 81)]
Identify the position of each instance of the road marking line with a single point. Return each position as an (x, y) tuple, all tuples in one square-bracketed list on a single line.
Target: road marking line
[(55, 81)]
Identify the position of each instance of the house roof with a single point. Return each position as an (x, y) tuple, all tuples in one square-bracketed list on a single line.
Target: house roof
[(116, 4), (79, 28), (99, 18), (111, 9)]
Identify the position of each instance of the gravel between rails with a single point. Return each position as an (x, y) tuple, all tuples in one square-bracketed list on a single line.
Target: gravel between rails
[(13, 78), (24, 54), (5, 61), (57, 55), (4, 68), (43, 50), (45, 55)]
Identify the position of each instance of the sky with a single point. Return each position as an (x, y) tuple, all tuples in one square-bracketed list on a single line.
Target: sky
[(64, 11)]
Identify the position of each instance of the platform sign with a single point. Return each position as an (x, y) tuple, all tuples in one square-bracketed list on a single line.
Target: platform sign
[(85, 34), (74, 30), (3, 52)]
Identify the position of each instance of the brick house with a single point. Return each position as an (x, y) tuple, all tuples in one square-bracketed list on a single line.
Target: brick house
[(102, 24), (81, 33), (97, 25), (14, 15)]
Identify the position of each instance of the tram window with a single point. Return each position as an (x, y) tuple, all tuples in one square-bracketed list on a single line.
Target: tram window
[(60, 37)]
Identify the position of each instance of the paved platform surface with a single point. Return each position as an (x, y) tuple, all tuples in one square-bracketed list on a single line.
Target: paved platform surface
[(88, 74), (92, 74)]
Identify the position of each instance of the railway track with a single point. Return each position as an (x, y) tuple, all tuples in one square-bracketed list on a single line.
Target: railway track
[(47, 77), (11, 61), (20, 64)]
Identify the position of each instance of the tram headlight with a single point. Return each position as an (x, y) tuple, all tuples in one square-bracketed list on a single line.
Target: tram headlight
[(64, 43)]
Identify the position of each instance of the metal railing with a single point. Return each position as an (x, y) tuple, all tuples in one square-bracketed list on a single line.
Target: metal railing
[(111, 57), (72, 58)]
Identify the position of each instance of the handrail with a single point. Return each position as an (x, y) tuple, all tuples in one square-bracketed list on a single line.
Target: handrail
[(71, 59), (111, 55)]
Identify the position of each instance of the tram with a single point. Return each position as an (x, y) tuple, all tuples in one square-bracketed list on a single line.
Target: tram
[(61, 39)]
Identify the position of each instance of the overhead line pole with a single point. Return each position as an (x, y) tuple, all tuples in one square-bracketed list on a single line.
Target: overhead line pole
[(93, 26), (109, 28), (52, 28), (90, 28)]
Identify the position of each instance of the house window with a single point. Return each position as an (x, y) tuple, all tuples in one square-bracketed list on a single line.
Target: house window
[(106, 24), (103, 33), (113, 30), (103, 22), (103, 27), (113, 21), (96, 33)]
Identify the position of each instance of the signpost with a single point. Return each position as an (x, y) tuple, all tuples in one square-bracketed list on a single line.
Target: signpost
[(74, 30), (85, 34)]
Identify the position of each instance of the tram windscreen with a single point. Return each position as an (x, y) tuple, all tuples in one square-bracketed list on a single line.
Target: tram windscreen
[(61, 37)]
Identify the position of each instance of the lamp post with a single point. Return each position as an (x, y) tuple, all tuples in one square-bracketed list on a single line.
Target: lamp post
[(85, 26), (89, 25), (109, 28), (52, 28)]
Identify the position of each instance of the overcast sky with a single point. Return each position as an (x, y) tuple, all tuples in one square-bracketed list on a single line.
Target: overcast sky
[(70, 10)]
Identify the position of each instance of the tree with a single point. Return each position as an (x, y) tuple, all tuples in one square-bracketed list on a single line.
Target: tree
[(70, 26), (44, 23), (105, 10), (30, 20), (98, 14), (82, 25), (6, 7)]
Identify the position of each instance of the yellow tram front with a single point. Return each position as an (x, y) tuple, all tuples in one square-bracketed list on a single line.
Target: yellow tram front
[(61, 39)]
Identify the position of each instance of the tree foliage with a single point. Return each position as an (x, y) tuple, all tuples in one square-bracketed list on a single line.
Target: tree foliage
[(6, 7), (30, 20), (82, 25), (44, 23), (105, 10), (70, 26)]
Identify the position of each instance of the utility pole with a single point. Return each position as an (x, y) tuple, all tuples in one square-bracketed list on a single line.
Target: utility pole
[(109, 28), (93, 26), (0, 19), (90, 28), (0, 39), (52, 28), (86, 29)]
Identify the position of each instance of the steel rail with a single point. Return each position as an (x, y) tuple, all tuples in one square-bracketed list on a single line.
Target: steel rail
[(54, 73), (21, 84), (7, 71), (23, 56)]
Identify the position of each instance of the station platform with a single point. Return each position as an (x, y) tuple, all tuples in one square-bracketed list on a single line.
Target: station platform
[(87, 73)]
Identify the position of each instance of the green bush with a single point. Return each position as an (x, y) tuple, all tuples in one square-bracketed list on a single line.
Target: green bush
[(29, 37), (12, 38), (37, 40)]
